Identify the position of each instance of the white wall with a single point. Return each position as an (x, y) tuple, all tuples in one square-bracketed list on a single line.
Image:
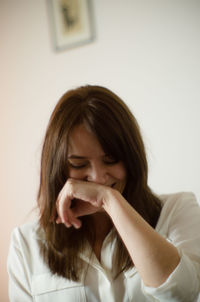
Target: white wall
[(146, 51)]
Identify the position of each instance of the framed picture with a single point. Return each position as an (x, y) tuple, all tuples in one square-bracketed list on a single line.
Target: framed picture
[(71, 22)]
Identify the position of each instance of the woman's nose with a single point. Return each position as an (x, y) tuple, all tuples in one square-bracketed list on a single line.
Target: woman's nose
[(98, 175)]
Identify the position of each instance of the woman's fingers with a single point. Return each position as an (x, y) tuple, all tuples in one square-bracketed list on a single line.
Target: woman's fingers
[(69, 219), (77, 198), (63, 206), (65, 214), (72, 220)]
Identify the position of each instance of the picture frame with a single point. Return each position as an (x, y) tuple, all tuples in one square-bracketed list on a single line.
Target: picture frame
[(71, 23)]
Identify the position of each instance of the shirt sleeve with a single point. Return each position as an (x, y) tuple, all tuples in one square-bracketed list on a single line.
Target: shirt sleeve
[(17, 266), (183, 230)]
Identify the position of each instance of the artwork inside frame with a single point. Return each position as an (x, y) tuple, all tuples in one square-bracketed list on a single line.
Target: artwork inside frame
[(71, 22)]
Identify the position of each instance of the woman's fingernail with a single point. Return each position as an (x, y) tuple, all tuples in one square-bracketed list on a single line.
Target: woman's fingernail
[(68, 225)]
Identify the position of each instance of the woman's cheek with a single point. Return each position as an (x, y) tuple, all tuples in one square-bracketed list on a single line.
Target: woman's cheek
[(76, 174), (120, 172)]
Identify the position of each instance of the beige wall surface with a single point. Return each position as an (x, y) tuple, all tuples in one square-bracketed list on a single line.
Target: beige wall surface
[(146, 51)]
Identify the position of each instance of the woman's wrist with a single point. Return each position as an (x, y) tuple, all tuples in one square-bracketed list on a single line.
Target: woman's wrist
[(111, 197)]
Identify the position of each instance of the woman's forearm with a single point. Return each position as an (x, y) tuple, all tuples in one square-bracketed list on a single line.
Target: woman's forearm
[(153, 256)]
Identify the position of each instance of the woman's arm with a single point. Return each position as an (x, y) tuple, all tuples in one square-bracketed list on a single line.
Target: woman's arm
[(154, 257)]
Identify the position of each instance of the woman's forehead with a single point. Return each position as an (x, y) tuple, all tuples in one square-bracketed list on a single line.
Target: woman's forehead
[(83, 142)]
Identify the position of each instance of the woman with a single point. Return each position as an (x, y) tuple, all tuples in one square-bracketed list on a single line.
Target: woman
[(102, 234)]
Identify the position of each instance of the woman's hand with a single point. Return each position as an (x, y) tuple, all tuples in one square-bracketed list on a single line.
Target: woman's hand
[(78, 198)]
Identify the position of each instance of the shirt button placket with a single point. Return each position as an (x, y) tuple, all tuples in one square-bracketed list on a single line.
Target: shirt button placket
[(105, 288)]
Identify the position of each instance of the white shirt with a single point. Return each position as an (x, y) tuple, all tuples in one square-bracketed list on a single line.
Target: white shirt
[(31, 280)]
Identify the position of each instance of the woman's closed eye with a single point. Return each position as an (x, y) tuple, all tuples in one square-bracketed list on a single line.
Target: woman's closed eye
[(109, 160), (106, 160), (77, 165)]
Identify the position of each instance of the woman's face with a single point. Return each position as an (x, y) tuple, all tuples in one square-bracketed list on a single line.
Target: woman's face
[(87, 161)]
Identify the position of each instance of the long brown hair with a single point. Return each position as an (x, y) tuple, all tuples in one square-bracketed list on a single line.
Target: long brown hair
[(118, 133)]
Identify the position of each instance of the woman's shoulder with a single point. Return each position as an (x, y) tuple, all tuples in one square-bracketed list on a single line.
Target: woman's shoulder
[(177, 207), (28, 231), (178, 199), (27, 236)]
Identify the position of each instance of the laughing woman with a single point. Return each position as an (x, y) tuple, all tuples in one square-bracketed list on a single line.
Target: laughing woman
[(102, 234)]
